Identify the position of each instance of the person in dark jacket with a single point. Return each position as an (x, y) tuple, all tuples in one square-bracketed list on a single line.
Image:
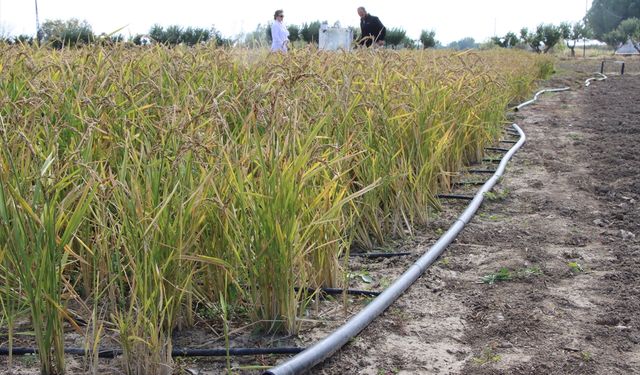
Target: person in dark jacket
[(372, 30)]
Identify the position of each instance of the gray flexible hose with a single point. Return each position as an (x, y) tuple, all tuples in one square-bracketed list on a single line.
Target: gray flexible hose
[(601, 78), (535, 97), (323, 349)]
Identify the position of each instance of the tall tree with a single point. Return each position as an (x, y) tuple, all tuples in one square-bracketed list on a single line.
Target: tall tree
[(462, 44), (573, 33), (605, 15), (310, 32), (157, 34), (294, 32), (395, 37), (508, 41), (173, 35), (428, 39), (59, 33), (545, 37), (192, 36), (627, 31)]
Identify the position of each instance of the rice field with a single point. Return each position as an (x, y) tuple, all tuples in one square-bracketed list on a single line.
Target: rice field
[(139, 184)]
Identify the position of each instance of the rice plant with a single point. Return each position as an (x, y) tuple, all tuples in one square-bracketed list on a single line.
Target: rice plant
[(137, 183)]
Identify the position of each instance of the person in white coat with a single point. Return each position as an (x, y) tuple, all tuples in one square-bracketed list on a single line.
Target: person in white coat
[(279, 33)]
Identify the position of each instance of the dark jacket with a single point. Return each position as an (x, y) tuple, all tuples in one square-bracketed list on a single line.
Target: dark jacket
[(372, 29)]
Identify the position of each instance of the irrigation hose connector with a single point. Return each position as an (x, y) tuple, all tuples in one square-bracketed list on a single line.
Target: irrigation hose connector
[(326, 347)]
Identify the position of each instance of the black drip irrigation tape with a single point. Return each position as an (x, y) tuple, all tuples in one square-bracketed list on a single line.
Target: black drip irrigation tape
[(334, 291), (467, 183), (481, 171), (378, 255), (353, 292), (455, 196), (234, 352), (508, 141), (218, 352), (498, 149)]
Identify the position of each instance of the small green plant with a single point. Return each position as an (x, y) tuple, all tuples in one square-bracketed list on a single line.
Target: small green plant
[(362, 275), (497, 195), (585, 356), (575, 267), (529, 271), (445, 262), (502, 275), (388, 372), (490, 196), (487, 356)]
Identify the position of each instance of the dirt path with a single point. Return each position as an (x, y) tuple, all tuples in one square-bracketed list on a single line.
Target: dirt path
[(561, 241)]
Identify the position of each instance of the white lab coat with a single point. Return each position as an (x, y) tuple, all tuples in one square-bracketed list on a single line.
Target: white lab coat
[(279, 36)]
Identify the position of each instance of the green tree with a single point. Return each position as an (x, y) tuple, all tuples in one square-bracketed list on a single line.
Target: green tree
[(627, 31), (310, 32), (510, 40), (173, 35), (355, 31), (545, 37), (218, 39), (614, 38), (157, 34), (428, 39), (395, 37), (294, 32), (267, 33), (23, 39), (59, 33), (604, 16), (462, 44), (410, 43), (192, 36), (573, 33)]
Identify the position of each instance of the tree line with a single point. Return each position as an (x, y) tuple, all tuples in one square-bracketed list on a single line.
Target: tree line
[(73, 32), (611, 21)]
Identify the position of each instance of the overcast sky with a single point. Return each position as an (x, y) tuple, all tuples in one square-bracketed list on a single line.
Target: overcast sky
[(452, 20)]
